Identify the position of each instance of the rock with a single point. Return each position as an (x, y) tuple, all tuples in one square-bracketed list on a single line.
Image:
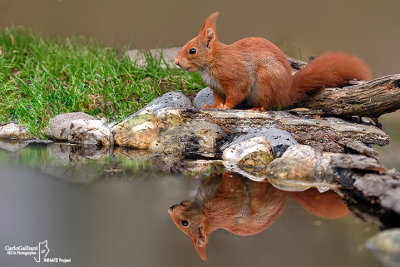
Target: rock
[(300, 168), (14, 131), (205, 96), (192, 139), (142, 128), (80, 128), (249, 154), (168, 100), (93, 132), (59, 126), (137, 132), (249, 157), (386, 246), (279, 140), (166, 132)]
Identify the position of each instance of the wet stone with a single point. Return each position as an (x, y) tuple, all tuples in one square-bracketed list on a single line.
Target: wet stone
[(301, 168), (192, 139), (249, 157), (279, 140), (386, 246)]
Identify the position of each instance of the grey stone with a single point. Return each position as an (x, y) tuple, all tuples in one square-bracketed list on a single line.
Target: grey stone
[(93, 132), (14, 131), (278, 139), (167, 100), (59, 126), (386, 246), (205, 96), (80, 128)]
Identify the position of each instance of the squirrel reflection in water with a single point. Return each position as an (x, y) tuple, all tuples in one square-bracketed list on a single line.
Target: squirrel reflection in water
[(243, 207)]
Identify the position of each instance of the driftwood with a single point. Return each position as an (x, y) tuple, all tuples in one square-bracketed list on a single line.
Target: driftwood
[(327, 134), (372, 196), (360, 98), (370, 99)]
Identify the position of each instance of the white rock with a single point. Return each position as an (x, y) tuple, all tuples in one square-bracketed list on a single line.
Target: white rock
[(14, 131), (83, 131)]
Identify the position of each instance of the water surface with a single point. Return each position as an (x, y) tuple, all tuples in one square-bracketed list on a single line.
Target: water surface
[(112, 211)]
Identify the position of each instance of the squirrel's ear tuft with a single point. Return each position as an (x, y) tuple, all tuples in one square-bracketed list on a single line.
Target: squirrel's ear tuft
[(209, 23)]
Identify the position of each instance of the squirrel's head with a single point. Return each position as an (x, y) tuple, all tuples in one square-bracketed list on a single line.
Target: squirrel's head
[(192, 222), (197, 54)]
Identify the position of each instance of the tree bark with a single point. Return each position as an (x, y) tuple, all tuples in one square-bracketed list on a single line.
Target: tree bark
[(327, 134), (370, 99)]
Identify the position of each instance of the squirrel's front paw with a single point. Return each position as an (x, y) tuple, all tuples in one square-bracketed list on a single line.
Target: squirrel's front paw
[(222, 106)]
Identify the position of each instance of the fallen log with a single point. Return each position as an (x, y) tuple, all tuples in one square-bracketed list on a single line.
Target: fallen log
[(365, 98), (328, 134)]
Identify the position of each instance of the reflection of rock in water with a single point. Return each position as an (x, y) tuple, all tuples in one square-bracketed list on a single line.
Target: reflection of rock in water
[(243, 207), (75, 164), (386, 246), (12, 146), (65, 151), (87, 163)]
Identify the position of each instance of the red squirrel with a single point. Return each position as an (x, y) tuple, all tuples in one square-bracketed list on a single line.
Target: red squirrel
[(255, 73), (243, 207)]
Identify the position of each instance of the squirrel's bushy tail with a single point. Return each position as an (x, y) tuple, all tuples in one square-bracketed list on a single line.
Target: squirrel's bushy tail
[(331, 69)]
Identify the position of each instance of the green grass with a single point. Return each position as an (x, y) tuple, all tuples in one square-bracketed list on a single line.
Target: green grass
[(42, 77)]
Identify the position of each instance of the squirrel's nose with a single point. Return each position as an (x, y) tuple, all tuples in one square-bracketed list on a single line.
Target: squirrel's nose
[(177, 62), (170, 209)]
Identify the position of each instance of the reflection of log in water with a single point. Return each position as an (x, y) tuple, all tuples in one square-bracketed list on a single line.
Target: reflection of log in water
[(234, 203)]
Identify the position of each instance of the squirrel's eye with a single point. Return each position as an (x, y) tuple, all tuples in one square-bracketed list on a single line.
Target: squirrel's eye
[(185, 223), (192, 51)]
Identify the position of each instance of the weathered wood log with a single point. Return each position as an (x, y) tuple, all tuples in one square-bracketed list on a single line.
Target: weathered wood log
[(327, 134), (374, 197), (370, 99)]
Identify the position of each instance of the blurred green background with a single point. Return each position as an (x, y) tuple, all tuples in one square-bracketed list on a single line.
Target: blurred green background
[(369, 29)]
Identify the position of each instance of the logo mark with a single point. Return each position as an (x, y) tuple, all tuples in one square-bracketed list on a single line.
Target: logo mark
[(43, 251)]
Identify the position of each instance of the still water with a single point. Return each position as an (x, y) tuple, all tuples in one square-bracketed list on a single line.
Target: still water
[(106, 209)]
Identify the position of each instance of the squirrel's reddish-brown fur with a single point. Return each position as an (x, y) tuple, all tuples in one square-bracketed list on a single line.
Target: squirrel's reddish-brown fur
[(256, 73)]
